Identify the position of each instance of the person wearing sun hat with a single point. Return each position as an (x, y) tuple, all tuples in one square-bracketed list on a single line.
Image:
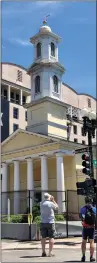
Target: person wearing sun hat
[(47, 227)]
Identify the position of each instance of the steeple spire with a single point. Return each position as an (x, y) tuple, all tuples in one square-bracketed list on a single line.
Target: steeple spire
[(45, 19)]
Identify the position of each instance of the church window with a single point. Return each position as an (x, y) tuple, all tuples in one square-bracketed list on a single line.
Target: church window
[(89, 103), (38, 50), (55, 83), (52, 49), (37, 84)]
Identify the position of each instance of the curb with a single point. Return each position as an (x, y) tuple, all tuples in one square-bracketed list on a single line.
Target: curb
[(39, 248)]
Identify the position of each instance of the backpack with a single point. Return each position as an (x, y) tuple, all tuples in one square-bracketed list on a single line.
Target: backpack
[(89, 216)]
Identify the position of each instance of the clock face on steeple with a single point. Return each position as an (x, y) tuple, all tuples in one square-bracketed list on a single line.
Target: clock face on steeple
[(46, 71)]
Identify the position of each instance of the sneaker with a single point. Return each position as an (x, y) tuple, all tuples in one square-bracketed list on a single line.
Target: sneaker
[(92, 259), (51, 255), (83, 259), (43, 254)]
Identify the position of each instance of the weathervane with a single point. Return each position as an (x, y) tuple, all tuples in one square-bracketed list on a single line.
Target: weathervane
[(45, 19)]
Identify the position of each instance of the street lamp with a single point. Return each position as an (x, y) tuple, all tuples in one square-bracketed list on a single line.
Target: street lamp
[(89, 126), (89, 114)]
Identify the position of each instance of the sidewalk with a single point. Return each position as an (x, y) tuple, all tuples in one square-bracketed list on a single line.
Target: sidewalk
[(28, 245)]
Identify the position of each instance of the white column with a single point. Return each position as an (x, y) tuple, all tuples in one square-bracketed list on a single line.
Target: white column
[(30, 180), (21, 96), (60, 183), (44, 175), (16, 188), (8, 93), (4, 188)]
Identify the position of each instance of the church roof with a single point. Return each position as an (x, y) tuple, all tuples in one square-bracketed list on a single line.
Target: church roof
[(44, 31)]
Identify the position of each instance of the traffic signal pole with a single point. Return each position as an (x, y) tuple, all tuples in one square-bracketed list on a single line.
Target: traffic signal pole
[(88, 187), (91, 154)]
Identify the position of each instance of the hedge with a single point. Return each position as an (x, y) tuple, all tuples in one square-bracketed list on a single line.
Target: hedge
[(19, 219)]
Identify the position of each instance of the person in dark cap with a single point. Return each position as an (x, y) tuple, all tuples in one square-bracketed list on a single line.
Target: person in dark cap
[(88, 216)]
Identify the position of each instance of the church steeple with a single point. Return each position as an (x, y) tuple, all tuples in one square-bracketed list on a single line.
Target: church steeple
[(46, 71)]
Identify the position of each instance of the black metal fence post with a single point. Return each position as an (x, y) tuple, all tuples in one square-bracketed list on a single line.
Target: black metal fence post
[(29, 218), (66, 193)]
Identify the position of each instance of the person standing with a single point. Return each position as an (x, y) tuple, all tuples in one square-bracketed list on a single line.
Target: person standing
[(47, 226), (88, 217)]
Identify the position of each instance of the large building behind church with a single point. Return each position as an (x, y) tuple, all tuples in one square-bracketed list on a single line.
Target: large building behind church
[(15, 92)]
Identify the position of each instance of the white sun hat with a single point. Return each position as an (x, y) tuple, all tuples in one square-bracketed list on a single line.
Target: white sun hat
[(47, 195)]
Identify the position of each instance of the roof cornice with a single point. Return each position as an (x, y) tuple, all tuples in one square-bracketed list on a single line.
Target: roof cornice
[(40, 34), (42, 64)]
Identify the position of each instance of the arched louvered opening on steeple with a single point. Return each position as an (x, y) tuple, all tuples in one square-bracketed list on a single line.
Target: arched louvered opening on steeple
[(55, 83), (38, 49), (52, 49), (37, 84)]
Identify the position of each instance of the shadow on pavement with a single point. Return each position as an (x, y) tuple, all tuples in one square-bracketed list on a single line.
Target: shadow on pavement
[(31, 257), (68, 243), (72, 261)]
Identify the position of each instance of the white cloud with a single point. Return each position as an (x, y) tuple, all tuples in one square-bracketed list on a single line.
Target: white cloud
[(15, 9), (22, 42)]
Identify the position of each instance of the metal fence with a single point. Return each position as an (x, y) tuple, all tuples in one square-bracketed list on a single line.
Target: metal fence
[(27, 202), (72, 202)]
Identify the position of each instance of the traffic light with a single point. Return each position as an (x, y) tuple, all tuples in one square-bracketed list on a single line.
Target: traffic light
[(86, 187), (86, 164), (81, 188), (95, 185)]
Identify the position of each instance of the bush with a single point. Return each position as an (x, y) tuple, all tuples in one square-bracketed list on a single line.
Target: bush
[(4, 219), (36, 210), (59, 217), (13, 219), (37, 220), (21, 219), (16, 219)]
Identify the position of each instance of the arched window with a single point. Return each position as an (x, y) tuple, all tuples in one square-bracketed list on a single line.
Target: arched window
[(52, 49), (37, 84), (38, 50), (55, 83)]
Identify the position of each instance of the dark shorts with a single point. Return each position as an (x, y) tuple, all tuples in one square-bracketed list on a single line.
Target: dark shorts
[(47, 230), (88, 233)]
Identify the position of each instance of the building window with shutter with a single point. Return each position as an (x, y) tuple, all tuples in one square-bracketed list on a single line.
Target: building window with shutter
[(24, 99), (15, 113), (55, 84), (5, 94), (15, 127), (19, 75), (89, 103), (74, 129), (25, 115), (37, 84), (38, 49), (83, 142), (75, 140), (82, 131), (52, 49)]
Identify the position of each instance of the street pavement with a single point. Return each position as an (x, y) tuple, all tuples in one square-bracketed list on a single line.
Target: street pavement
[(65, 250), (34, 255)]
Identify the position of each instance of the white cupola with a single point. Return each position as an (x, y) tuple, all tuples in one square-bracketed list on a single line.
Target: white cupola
[(46, 71)]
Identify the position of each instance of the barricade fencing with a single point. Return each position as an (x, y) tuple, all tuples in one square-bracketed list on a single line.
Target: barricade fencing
[(24, 207)]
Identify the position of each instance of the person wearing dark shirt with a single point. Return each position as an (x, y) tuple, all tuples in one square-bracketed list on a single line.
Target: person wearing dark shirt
[(88, 212)]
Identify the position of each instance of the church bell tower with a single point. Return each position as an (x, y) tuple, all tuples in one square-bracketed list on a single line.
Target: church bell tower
[(46, 112), (46, 71)]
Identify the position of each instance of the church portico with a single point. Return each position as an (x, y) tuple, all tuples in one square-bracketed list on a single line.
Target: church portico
[(45, 172)]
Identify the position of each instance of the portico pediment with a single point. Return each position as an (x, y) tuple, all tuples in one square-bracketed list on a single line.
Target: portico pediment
[(22, 139)]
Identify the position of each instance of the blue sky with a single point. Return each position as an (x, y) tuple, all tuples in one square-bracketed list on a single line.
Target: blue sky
[(74, 22)]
